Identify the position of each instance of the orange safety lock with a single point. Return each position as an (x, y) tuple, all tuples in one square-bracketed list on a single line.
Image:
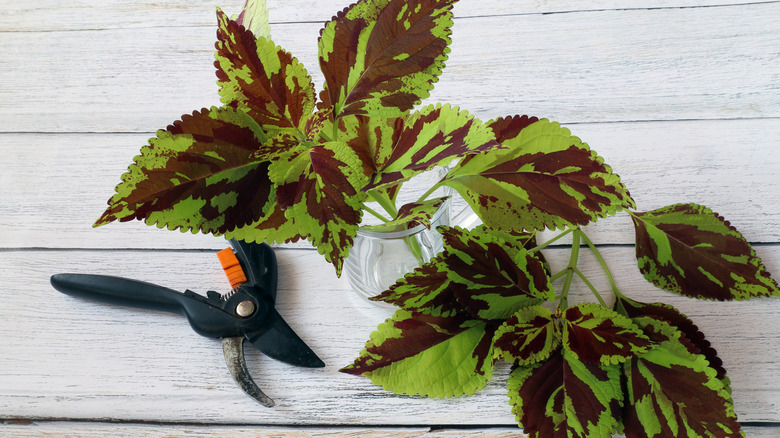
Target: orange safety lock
[(232, 267)]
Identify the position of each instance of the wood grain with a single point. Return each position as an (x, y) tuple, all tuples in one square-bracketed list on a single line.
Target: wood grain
[(52, 15), (613, 65), (92, 430), (680, 97), (61, 357)]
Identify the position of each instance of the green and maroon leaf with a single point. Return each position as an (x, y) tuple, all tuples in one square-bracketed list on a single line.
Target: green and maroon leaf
[(672, 392), (372, 137), (678, 320), (273, 227), (491, 278), (447, 356), (425, 290), (547, 178), (256, 76), (254, 17), (411, 215), (563, 397), (530, 335), (200, 174), (597, 334), (689, 250), (318, 188), (382, 57), (430, 137)]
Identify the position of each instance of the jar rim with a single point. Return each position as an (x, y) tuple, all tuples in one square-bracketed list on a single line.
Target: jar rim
[(387, 235)]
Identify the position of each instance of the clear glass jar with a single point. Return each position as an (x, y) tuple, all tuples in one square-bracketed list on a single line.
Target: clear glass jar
[(378, 259)]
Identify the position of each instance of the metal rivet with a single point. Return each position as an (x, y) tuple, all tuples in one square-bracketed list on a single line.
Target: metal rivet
[(245, 309)]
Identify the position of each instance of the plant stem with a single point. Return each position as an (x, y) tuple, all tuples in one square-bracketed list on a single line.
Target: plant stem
[(603, 264), (375, 213), (545, 244), (385, 202), (590, 286), (430, 190), (570, 268)]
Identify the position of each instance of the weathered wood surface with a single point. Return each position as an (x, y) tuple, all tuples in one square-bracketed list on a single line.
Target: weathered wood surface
[(609, 65), (681, 98), (91, 430)]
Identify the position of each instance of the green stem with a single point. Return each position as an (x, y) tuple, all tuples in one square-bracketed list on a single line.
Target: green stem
[(430, 190), (545, 244), (385, 202), (603, 264), (590, 286), (570, 268), (375, 213)]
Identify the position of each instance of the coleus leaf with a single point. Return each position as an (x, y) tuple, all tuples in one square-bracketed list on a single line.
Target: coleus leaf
[(411, 215), (372, 137), (256, 76), (433, 136), (546, 179), (564, 397), (672, 392), (203, 173), (254, 17), (491, 278), (678, 320), (317, 187), (382, 57), (689, 250), (596, 334), (273, 227), (413, 353), (426, 290), (530, 335), (486, 273)]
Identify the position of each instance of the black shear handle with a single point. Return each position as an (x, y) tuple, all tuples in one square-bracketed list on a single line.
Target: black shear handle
[(204, 318)]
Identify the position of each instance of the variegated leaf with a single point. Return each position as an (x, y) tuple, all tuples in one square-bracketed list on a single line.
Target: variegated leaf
[(689, 250), (411, 215), (491, 278), (256, 76), (430, 137), (273, 227), (381, 57), (530, 335), (318, 188), (372, 137), (597, 334), (254, 17), (566, 398), (672, 392), (546, 179), (678, 320), (201, 174), (425, 290), (446, 356)]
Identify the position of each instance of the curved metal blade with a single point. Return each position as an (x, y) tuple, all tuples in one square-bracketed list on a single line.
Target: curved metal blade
[(233, 349), (280, 342)]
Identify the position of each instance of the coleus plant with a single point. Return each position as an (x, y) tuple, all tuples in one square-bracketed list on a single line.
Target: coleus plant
[(276, 164)]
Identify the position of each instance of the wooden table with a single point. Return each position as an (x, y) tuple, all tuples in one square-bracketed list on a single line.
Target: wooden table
[(681, 97)]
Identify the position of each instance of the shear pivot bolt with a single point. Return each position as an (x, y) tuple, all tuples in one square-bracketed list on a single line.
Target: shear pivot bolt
[(245, 309)]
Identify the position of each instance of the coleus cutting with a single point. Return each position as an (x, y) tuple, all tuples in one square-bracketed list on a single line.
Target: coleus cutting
[(275, 163)]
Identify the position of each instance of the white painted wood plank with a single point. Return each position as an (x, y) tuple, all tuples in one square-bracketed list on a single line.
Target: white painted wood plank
[(49, 15), (56, 186), (662, 64), (100, 430), (65, 358)]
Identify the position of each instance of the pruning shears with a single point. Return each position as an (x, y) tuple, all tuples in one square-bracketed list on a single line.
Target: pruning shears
[(246, 312)]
